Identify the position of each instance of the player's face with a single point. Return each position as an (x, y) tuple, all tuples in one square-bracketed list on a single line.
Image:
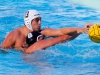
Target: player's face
[(36, 24)]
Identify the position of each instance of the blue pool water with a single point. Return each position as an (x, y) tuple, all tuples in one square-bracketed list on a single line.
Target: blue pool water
[(80, 56)]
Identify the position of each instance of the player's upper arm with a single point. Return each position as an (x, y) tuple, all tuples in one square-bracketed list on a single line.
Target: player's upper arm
[(51, 32)]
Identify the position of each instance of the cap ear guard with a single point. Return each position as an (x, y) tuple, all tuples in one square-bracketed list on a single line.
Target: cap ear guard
[(29, 16)]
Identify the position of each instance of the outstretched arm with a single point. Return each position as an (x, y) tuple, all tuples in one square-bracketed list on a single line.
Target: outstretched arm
[(57, 32), (64, 31)]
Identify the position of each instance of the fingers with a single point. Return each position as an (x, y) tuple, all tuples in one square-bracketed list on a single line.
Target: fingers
[(85, 30), (82, 30), (6, 47), (88, 25)]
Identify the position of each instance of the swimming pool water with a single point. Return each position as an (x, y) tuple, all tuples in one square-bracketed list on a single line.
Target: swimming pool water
[(80, 56)]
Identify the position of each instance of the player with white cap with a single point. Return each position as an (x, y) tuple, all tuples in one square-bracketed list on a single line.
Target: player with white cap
[(29, 16)]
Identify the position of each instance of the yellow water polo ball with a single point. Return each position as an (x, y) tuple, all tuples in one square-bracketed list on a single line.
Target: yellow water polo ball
[(94, 33)]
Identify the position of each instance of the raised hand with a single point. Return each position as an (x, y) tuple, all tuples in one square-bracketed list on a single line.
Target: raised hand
[(88, 25), (82, 30)]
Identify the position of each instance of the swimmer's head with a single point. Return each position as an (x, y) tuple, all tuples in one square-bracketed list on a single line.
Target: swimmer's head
[(29, 16), (34, 37)]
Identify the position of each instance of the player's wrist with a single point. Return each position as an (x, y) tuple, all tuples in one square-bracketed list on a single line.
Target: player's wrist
[(79, 30)]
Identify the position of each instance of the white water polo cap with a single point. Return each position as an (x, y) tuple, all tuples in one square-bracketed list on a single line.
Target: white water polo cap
[(29, 16)]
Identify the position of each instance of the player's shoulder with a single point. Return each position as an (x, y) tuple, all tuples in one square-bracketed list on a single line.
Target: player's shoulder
[(15, 32)]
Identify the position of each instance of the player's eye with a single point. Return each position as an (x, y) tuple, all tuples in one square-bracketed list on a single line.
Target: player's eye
[(37, 19)]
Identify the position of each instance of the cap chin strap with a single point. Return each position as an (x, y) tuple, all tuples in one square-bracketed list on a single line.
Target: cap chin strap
[(28, 23), (29, 27)]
